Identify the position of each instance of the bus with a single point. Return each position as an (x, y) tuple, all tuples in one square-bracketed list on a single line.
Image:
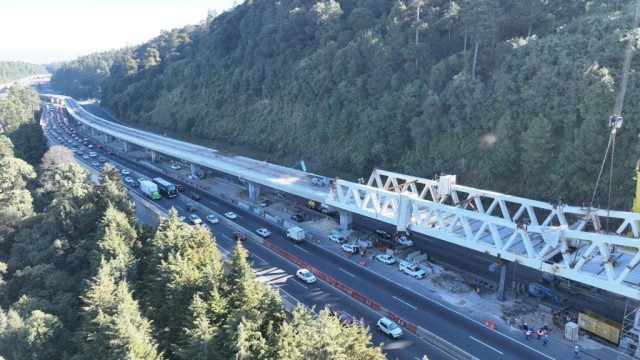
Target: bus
[(166, 188)]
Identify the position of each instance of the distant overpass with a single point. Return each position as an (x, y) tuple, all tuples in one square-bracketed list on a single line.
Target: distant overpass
[(558, 238), (25, 81)]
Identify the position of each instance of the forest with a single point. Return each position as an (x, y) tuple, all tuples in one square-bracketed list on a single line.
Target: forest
[(512, 96), (15, 70), (80, 279)]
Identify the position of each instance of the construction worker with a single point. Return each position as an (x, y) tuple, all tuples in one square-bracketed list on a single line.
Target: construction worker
[(576, 352), (525, 327), (539, 333), (545, 340), (528, 334)]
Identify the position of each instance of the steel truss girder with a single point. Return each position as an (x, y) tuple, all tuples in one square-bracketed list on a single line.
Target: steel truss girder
[(568, 241)]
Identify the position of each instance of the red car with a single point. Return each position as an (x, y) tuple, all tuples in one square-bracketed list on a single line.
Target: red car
[(180, 187), (344, 318)]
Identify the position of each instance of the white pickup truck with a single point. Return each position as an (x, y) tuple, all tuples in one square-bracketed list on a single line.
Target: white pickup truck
[(412, 269)]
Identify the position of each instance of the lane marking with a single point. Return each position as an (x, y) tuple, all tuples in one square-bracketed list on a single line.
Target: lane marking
[(214, 203), (299, 283), (301, 249), (406, 303), (345, 271), (496, 350)]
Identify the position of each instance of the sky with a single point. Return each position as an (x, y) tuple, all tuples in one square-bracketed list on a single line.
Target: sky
[(44, 31)]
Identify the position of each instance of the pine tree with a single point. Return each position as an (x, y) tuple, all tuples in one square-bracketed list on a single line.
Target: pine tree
[(117, 242), (113, 327)]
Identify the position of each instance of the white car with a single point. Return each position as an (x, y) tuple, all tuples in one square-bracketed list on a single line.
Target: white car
[(405, 241), (195, 219), (306, 276), (125, 172), (263, 232), (205, 226), (388, 327), (212, 219), (351, 249), (230, 215), (336, 238), (93, 154), (386, 258), (176, 167)]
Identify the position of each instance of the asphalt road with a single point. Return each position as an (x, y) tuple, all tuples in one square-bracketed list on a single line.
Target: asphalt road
[(449, 324)]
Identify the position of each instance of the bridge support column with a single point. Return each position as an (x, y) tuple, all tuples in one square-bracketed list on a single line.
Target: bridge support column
[(154, 156), (503, 278), (105, 138), (193, 169), (127, 146), (93, 132), (254, 190), (346, 219)]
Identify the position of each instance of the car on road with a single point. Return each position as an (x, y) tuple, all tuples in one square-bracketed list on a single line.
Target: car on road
[(297, 218), (93, 154), (336, 238), (382, 233), (386, 258), (265, 203), (306, 276), (343, 317), (230, 215), (351, 249), (126, 172), (95, 163), (85, 156), (404, 241), (195, 219), (389, 327), (194, 196), (142, 179), (213, 219), (176, 167), (239, 236), (263, 232), (180, 187), (191, 207), (102, 159), (135, 183), (128, 180)]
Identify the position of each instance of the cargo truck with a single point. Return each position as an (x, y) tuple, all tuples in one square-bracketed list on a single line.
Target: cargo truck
[(296, 234), (150, 189), (166, 188)]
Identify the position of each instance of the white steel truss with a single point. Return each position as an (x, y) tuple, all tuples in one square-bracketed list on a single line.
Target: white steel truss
[(565, 240)]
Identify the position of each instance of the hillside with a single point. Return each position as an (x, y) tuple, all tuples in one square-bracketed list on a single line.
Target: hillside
[(511, 95), (16, 70)]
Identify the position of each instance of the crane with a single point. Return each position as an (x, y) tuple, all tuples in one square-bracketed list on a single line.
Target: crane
[(615, 121)]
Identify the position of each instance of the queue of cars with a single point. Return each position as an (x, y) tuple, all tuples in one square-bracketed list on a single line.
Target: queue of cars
[(384, 325)]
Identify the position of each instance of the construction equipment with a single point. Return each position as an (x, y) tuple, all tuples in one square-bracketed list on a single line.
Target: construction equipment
[(302, 164), (401, 185), (540, 292)]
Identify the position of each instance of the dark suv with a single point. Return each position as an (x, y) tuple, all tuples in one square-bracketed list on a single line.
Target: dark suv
[(297, 218), (180, 187), (382, 233), (191, 207), (239, 236), (194, 196)]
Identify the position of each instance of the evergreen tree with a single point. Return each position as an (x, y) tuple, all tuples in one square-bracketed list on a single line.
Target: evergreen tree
[(112, 326)]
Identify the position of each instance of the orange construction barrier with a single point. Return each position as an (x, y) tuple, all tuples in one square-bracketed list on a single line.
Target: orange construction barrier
[(490, 324)]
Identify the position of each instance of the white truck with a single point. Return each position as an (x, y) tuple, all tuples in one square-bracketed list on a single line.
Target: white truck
[(412, 269), (150, 189), (296, 234)]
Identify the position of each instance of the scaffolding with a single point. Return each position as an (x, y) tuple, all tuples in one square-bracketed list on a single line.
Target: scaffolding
[(630, 335)]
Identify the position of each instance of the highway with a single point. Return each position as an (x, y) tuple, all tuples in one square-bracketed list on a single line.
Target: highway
[(391, 294)]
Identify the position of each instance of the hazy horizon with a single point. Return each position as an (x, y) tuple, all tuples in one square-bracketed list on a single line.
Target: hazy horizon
[(67, 29)]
